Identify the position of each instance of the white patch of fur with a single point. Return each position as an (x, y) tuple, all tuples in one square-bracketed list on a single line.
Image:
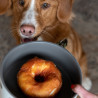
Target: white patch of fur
[(86, 83), (40, 39), (29, 15)]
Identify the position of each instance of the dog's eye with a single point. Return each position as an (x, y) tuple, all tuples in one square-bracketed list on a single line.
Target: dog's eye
[(45, 5), (21, 2)]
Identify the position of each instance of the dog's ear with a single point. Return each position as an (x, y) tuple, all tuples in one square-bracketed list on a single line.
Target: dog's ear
[(64, 10), (4, 6)]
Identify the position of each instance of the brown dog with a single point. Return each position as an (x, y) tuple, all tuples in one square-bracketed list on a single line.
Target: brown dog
[(46, 20)]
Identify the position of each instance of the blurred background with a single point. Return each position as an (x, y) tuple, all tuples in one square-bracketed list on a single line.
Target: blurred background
[(85, 23)]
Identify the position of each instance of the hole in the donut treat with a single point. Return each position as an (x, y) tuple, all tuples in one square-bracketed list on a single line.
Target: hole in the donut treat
[(39, 78)]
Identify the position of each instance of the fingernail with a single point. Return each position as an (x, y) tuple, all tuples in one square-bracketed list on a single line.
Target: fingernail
[(72, 86)]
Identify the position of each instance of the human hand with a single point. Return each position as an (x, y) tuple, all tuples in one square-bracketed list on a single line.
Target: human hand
[(82, 92)]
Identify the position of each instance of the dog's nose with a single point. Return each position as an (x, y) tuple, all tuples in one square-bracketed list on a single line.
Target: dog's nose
[(27, 30)]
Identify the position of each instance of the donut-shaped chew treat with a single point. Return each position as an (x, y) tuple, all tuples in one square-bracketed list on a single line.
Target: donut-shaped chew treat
[(39, 78)]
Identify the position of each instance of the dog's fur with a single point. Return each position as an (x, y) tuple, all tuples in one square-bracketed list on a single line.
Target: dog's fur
[(51, 24)]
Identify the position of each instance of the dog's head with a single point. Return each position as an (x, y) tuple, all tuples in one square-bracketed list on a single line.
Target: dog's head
[(31, 17)]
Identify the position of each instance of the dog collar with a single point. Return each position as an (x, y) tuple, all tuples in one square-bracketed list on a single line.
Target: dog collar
[(63, 43)]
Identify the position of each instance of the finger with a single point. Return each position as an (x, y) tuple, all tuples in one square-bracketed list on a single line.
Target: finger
[(82, 92)]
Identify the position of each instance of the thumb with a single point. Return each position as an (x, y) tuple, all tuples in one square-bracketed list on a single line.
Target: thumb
[(82, 92)]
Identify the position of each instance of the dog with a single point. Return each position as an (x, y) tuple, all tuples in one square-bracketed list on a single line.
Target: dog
[(46, 20)]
